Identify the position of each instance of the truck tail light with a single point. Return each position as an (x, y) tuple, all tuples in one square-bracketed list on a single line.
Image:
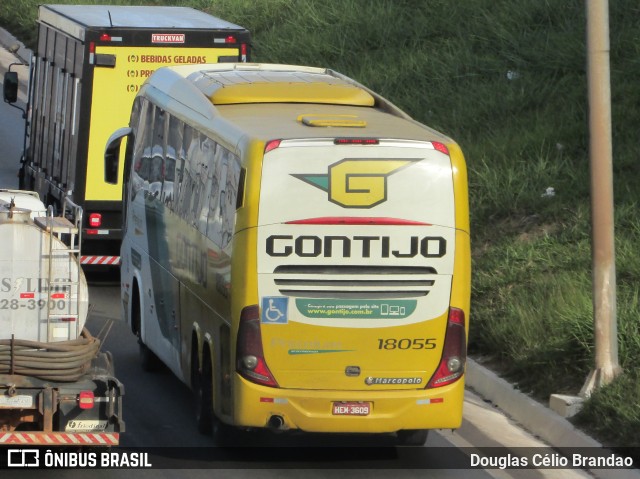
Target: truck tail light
[(86, 400), (95, 220)]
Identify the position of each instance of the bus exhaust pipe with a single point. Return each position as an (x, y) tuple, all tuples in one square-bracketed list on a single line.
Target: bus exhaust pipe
[(276, 423)]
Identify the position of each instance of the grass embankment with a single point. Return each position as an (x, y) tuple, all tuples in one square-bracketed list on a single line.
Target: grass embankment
[(507, 81)]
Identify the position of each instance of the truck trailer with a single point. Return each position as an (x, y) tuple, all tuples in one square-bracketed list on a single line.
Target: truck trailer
[(89, 64), (57, 388)]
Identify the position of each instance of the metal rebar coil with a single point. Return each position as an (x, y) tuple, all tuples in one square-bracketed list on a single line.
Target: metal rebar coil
[(64, 361)]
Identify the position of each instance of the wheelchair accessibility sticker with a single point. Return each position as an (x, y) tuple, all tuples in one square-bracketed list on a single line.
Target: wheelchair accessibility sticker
[(274, 309)]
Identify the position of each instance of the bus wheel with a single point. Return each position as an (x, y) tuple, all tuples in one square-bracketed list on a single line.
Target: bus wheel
[(223, 434), (412, 437), (208, 422), (204, 399), (148, 360)]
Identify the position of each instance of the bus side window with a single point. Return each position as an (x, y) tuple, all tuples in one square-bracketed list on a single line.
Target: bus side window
[(223, 197), (208, 150), (142, 151), (228, 214), (183, 197), (213, 218), (155, 174), (196, 159), (174, 161)]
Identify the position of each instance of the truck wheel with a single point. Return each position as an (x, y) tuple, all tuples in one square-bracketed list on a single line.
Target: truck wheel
[(412, 437)]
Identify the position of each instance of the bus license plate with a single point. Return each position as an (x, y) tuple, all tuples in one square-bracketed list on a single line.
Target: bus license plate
[(351, 408)]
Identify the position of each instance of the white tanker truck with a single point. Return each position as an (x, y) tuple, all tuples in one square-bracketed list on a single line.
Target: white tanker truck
[(56, 386)]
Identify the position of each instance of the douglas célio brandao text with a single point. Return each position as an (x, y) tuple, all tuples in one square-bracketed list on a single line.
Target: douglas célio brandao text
[(531, 460)]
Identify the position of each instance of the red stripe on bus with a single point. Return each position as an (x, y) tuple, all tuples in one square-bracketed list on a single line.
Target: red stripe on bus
[(357, 220)]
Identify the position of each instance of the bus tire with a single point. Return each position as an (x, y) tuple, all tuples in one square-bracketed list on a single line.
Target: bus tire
[(204, 399), (148, 360), (412, 437), (223, 434), (207, 421)]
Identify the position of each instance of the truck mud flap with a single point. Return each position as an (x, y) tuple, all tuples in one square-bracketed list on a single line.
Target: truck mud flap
[(60, 439)]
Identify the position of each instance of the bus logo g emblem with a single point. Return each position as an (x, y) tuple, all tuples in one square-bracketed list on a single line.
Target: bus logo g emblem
[(357, 183)]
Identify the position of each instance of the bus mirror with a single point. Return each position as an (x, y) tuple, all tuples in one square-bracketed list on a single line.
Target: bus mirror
[(112, 155), (10, 87)]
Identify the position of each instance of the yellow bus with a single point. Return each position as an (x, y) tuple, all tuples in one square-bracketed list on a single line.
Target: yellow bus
[(296, 249)]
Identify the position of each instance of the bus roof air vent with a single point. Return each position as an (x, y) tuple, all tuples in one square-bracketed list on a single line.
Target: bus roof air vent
[(351, 121), (273, 86), (316, 92)]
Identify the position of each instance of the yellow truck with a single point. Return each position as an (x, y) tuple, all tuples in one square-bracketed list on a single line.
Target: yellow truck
[(88, 66)]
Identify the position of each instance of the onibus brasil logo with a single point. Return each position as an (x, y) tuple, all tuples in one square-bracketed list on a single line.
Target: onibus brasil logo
[(357, 183)]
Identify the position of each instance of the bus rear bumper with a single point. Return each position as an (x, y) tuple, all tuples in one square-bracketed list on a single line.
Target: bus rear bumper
[(315, 410)]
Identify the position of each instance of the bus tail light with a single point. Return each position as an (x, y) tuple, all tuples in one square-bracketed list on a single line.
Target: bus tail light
[(441, 147), (454, 352), (272, 145), (250, 362)]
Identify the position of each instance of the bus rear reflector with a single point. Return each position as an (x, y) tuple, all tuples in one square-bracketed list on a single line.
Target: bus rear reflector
[(250, 362), (454, 352), (230, 39)]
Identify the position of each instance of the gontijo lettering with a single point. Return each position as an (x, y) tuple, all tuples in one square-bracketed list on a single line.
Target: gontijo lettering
[(360, 246)]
